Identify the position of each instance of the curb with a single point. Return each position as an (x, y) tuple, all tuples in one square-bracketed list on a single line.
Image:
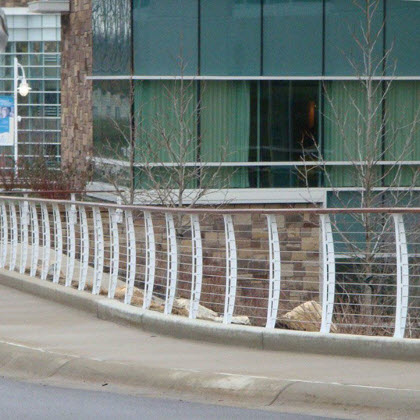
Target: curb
[(184, 328), (35, 364)]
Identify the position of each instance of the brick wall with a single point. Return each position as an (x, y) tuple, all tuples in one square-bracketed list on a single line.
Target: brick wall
[(76, 91)]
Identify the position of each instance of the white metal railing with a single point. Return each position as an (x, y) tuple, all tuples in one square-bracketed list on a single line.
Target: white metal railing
[(308, 269)]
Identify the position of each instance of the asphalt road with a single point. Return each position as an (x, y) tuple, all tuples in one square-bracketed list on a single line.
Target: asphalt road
[(20, 400)]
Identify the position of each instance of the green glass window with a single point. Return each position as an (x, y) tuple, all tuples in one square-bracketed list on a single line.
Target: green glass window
[(166, 125), (293, 37), (166, 119), (342, 123), (288, 129), (165, 37), (403, 129), (346, 136), (111, 118), (111, 27), (343, 25), (226, 121), (289, 119), (226, 127), (403, 37), (395, 133), (230, 37)]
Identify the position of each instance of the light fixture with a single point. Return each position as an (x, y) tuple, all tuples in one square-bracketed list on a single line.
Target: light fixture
[(24, 88)]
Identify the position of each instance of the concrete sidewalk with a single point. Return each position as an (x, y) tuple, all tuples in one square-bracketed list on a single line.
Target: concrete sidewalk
[(40, 339)]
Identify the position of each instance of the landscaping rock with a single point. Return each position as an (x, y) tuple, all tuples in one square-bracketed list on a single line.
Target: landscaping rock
[(203, 312), (305, 317), (208, 314)]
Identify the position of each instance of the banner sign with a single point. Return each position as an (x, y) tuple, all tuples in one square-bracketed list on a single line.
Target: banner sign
[(7, 115)]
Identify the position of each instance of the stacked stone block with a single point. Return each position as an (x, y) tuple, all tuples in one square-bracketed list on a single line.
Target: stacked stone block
[(76, 89)]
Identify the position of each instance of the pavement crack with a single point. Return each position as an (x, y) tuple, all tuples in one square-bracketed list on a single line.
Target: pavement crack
[(280, 392)]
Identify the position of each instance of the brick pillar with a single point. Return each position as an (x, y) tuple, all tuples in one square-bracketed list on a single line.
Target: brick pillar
[(76, 90)]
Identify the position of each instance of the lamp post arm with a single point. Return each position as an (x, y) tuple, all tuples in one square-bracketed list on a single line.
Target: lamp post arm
[(23, 77)]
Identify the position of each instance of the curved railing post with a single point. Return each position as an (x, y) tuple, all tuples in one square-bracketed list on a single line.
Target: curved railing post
[(84, 248), (172, 270), (328, 272), (403, 276), (13, 235), (46, 241), (131, 256), (149, 280), (71, 220), (58, 243), (4, 235), (274, 272), (24, 236), (35, 239), (114, 220), (197, 266), (231, 269), (99, 250)]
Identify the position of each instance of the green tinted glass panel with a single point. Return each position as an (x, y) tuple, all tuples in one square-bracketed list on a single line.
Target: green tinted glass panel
[(289, 119), (403, 37), (343, 27), (166, 119), (226, 130), (293, 37), (111, 26), (347, 134), (403, 131), (165, 37), (230, 37), (226, 121), (111, 118)]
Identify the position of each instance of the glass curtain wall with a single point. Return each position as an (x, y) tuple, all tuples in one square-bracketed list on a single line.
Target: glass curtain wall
[(259, 129), (263, 37), (35, 41)]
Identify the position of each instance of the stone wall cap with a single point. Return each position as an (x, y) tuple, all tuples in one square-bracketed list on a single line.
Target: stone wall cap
[(49, 6)]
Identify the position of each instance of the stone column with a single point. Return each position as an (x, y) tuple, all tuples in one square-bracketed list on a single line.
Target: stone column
[(76, 90)]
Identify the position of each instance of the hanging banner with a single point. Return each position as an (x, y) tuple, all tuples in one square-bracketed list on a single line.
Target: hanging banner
[(7, 115)]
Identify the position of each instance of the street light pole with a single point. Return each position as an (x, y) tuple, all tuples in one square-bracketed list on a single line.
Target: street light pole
[(15, 135), (23, 89)]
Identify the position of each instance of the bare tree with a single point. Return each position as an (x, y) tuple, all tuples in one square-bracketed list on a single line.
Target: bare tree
[(376, 170)]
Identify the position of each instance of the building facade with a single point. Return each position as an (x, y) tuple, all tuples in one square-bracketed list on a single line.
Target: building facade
[(259, 71), (35, 41)]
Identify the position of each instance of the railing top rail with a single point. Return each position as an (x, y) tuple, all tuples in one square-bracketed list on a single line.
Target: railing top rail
[(11, 192), (201, 210)]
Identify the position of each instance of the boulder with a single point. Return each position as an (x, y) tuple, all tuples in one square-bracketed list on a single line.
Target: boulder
[(208, 314), (137, 299), (203, 312), (305, 317)]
